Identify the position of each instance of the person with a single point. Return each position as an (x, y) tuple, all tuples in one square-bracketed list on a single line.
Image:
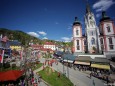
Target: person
[(107, 79), (90, 74), (59, 74), (93, 83)]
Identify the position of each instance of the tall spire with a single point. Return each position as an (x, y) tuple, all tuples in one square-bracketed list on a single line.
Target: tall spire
[(87, 7)]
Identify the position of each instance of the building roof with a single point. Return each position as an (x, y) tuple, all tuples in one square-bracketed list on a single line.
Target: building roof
[(83, 58), (46, 49), (49, 43), (14, 43), (59, 53), (35, 45), (100, 59), (104, 17), (76, 22), (69, 56)]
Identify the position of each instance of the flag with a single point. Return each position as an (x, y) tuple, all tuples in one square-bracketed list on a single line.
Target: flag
[(2, 56), (39, 55), (21, 57)]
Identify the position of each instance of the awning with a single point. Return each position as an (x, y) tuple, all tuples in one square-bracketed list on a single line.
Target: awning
[(10, 75), (69, 61), (101, 66), (82, 63)]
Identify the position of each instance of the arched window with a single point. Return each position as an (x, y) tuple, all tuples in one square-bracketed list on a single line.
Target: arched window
[(101, 40), (77, 32), (92, 41), (108, 28), (78, 47), (110, 41), (77, 42)]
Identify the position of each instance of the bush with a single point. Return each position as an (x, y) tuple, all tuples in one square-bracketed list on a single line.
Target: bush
[(13, 65), (6, 65)]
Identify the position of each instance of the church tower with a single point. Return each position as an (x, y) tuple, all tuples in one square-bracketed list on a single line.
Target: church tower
[(77, 36), (107, 35), (91, 31)]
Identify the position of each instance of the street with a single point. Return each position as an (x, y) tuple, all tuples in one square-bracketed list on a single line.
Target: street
[(77, 77)]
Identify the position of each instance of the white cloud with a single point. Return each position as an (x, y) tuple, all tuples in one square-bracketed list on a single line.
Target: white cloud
[(45, 38), (66, 39), (42, 33), (103, 5), (98, 15), (33, 34)]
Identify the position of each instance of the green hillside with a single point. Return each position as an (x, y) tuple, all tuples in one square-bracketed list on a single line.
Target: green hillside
[(21, 36), (25, 38)]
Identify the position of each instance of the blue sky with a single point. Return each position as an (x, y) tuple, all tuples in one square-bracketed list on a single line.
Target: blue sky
[(50, 19)]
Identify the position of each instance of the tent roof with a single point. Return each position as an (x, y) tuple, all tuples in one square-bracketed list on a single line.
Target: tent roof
[(10, 75), (84, 58), (100, 59), (69, 56)]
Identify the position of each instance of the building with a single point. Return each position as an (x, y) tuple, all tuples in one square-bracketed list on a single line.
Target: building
[(49, 45), (15, 44), (107, 35), (96, 39), (37, 47)]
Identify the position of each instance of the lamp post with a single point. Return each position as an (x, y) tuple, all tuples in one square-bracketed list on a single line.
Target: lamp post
[(63, 61), (67, 66)]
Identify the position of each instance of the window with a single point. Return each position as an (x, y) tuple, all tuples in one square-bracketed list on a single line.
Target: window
[(92, 33), (78, 47), (91, 22), (101, 40), (85, 42), (92, 41), (108, 28), (111, 47), (77, 42), (77, 32), (110, 43)]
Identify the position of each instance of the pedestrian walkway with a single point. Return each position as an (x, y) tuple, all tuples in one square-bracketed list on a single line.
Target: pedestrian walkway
[(42, 83)]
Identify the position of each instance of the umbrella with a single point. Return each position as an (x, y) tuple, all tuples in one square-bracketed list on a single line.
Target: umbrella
[(11, 75)]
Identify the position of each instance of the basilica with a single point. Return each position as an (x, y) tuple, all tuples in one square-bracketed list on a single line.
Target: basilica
[(97, 39)]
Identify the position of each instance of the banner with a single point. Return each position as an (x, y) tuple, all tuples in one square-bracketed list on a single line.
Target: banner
[(2, 56)]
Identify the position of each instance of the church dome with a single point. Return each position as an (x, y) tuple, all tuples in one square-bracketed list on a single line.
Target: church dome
[(76, 21)]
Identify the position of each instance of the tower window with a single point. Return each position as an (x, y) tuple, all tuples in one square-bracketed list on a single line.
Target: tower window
[(77, 42), (78, 47), (92, 41), (77, 32), (85, 42), (110, 41), (108, 28), (91, 23), (101, 40)]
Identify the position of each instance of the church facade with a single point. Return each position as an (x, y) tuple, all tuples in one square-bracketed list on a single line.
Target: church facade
[(97, 39)]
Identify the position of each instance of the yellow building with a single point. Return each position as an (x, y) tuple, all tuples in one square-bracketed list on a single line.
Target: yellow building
[(15, 45)]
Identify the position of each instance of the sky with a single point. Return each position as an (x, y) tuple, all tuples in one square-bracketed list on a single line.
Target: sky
[(50, 19)]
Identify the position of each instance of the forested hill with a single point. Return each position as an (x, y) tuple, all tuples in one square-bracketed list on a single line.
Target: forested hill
[(25, 38), (21, 36)]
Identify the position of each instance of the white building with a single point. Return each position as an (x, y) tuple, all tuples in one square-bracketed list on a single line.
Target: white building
[(49, 45), (96, 39)]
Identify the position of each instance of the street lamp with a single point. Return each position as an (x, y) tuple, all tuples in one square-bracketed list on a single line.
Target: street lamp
[(63, 61), (67, 68)]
